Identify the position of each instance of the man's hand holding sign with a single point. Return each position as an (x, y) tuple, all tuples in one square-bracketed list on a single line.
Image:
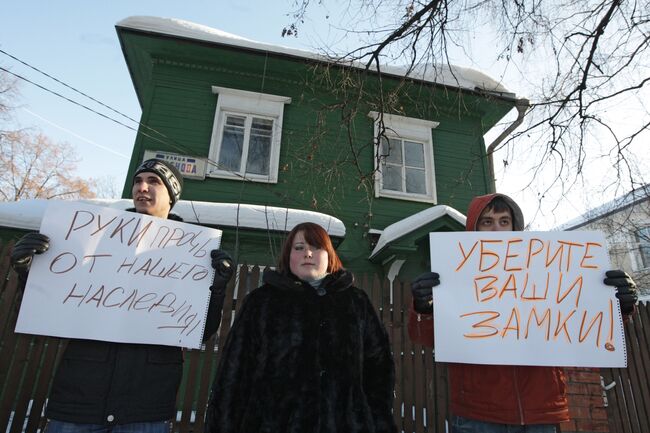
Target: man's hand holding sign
[(526, 298), (118, 276)]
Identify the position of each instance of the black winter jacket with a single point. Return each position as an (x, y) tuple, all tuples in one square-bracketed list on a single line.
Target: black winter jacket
[(99, 382), (301, 360)]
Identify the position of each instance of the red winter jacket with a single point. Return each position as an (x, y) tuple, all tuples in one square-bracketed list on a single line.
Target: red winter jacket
[(503, 394)]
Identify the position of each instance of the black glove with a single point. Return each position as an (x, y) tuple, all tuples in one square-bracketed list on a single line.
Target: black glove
[(24, 250), (224, 268), (421, 291), (625, 290)]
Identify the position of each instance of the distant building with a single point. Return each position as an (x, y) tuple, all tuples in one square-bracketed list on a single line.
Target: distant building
[(626, 223)]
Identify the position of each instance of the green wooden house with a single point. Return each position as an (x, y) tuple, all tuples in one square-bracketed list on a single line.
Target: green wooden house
[(392, 156)]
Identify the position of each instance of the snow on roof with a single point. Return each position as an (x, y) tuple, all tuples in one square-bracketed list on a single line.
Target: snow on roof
[(456, 76), (636, 195), (414, 222), (27, 214)]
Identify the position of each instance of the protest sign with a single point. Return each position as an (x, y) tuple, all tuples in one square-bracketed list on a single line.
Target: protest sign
[(119, 276), (525, 298)]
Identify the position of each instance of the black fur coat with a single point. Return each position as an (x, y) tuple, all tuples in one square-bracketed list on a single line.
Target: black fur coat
[(301, 360)]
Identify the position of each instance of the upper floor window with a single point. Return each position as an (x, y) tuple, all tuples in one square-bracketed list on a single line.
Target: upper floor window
[(643, 237), (404, 158), (246, 135)]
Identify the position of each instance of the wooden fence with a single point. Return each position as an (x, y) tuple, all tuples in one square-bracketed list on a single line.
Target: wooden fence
[(628, 396), (27, 364)]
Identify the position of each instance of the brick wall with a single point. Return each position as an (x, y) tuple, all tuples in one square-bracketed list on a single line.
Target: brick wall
[(586, 404)]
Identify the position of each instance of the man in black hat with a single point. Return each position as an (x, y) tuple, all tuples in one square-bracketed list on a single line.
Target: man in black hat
[(116, 387), (156, 188)]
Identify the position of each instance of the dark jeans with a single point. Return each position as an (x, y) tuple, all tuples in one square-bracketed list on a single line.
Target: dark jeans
[(466, 425), (54, 426)]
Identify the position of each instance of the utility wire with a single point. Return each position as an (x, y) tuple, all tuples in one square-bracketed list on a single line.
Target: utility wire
[(65, 97), (165, 139), (78, 103), (80, 92), (67, 85)]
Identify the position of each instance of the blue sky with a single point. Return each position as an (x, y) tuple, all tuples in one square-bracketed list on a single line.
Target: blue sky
[(75, 41)]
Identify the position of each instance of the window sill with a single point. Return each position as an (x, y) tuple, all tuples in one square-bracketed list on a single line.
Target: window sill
[(248, 177), (407, 197)]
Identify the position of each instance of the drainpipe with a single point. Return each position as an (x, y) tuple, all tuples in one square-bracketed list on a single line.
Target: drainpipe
[(522, 106)]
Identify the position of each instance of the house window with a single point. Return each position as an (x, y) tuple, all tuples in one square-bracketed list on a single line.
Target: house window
[(246, 135), (403, 166), (643, 237), (404, 158)]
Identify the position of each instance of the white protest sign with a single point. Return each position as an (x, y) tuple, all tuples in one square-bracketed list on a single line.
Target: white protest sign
[(119, 276), (525, 298)]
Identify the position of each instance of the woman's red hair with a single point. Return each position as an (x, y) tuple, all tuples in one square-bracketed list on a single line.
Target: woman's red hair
[(315, 236)]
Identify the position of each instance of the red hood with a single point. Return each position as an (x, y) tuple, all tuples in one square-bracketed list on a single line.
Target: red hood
[(478, 204)]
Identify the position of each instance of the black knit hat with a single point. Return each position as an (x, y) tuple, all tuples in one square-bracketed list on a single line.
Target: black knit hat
[(169, 174)]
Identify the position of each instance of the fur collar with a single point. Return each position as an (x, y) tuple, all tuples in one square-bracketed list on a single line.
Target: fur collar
[(335, 282)]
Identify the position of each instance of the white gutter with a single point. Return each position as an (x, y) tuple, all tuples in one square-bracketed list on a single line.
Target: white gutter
[(522, 105)]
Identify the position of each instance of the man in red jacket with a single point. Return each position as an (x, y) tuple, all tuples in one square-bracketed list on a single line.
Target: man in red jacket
[(502, 398)]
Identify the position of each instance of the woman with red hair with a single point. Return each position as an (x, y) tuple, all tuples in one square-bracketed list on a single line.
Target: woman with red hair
[(307, 352)]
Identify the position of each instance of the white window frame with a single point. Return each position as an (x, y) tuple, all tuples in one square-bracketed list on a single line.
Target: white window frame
[(248, 104), (406, 128)]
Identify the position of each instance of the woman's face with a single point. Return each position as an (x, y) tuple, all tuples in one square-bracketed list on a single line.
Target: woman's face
[(306, 261)]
